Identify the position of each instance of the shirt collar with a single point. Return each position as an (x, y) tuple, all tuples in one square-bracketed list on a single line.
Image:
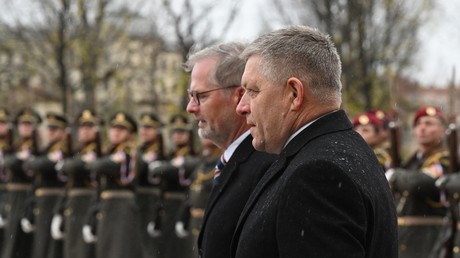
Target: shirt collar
[(231, 149), (303, 128)]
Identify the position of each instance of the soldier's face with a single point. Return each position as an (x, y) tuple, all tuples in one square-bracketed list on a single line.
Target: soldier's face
[(118, 134), (216, 115), (429, 130), (55, 134), (86, 133), (369, 134), (148, 133), (180, 137), (25, 129), (3, 128)]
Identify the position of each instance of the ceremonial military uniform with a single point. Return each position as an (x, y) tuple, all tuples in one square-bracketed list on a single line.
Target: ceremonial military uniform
[(421, 209), (6, 147), (117, 231), (189, 224), (19, 185), (175, 180), (148, 189), (369, 126), (48, 189), (450, 184), (81, 191)]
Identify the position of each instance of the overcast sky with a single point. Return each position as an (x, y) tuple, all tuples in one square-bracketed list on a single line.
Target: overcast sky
[(438, 55), (440, 51)]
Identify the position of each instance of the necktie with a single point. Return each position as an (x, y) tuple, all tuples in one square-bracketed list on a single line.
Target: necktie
[(219, 166)]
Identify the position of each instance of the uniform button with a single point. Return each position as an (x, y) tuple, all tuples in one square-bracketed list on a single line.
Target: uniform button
[(36, 211), (67, 212), (99, 216), (456, 249), (403, 247), (406, 193)]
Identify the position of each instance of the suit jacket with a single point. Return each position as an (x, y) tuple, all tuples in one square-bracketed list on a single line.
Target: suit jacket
[(228, 197), (325, 196)]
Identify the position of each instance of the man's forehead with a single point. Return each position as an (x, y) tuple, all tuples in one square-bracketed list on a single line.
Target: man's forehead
[(250, 70)]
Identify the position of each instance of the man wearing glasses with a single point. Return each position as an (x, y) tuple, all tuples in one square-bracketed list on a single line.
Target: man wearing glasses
[(214, 94)]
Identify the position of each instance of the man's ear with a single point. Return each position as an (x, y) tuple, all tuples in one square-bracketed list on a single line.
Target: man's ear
[(296, 93)]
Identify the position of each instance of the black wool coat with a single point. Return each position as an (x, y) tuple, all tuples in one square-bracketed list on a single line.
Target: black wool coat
[(228, 197), (325, 196)]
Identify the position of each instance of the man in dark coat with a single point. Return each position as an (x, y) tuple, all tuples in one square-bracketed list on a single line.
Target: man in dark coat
[(326, 194), (214, 94)]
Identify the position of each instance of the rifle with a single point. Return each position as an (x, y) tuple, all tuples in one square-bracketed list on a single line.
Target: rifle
[(10, 139), (395, 141), (35, 149), (452, 143), (69, 142)]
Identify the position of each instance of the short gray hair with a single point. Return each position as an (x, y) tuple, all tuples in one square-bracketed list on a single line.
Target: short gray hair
[(304, 53), (229, 67)]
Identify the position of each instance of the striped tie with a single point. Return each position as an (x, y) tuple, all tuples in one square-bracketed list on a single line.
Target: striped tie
[(219, 166)]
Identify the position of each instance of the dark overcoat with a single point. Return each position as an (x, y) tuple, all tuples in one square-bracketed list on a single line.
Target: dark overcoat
[(228, 197), (325, 196)]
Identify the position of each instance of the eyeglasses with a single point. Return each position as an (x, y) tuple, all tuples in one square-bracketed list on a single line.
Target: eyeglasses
[(196, 96)]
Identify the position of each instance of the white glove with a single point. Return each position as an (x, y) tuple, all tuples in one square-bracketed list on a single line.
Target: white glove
[(26, 226), (389, 173), (88, 236), (56, 224), (3, 222), (180, 231), (152, 231)]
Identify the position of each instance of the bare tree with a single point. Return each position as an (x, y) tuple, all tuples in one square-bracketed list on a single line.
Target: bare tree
[(72, 45), (371, 36)]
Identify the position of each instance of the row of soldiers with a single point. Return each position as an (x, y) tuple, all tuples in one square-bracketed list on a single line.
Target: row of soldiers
[(131, 200), (425, 186)]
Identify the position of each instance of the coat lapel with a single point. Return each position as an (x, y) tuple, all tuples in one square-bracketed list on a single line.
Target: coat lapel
[(241, 153)]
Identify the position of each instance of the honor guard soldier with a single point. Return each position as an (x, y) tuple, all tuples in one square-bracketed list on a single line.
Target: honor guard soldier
[(117, 230), (148, 190), (19, 183), (370, 128), (48, 187), (6, 148), (421, 208), (384, 132), (68, 221), (190, 221), (175, 180)]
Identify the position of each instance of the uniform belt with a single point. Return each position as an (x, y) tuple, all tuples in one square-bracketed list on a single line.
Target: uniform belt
[(49, 191), (148, 190), (13, 187), (176, 196), (197, 213), (117, 194), (74, 192), (420, 221)]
